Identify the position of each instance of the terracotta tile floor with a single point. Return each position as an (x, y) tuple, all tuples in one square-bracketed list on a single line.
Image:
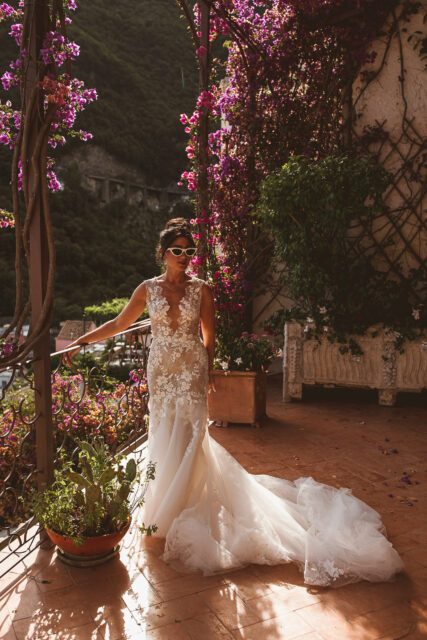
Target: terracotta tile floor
[(341, 438)]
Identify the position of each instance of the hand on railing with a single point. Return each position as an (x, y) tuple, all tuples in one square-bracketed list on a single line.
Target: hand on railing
[(68, 354)]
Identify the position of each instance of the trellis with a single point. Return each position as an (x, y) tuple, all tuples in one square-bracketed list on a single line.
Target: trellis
[(397, 239)]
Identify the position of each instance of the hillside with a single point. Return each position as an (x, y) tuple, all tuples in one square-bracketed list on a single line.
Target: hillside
[(138, 55)]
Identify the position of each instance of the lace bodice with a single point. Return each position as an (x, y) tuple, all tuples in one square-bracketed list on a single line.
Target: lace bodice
[(178, 364), (188, 311)]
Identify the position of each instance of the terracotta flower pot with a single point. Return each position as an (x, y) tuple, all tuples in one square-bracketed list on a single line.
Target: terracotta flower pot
[(93, 546), (240, 397)]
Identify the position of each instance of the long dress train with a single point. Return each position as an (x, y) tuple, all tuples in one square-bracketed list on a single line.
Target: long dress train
[(214, 515)]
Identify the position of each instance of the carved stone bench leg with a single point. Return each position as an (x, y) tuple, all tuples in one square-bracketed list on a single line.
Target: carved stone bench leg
[(292, 391), (387, 397), (292, 362), (387, 394)]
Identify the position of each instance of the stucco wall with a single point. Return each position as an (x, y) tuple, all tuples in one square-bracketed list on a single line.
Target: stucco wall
[(402, 108)]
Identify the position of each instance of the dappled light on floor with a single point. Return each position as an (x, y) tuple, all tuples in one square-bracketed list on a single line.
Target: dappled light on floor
[(345, 440)]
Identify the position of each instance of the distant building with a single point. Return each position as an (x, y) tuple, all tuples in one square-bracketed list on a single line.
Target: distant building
[(70, 330), (5, 377), (22, 336)]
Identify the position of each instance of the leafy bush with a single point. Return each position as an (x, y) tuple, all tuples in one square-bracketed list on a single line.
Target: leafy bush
[(307, 207)]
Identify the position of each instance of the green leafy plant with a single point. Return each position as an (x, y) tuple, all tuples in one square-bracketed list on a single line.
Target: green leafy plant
[(106, 310), (247, 352), (307, 207), (91, 497)]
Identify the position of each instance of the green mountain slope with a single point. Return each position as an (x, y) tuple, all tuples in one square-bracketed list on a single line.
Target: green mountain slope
[(138, 55)]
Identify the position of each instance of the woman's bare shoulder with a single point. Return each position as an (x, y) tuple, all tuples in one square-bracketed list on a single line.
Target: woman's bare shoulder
[(141, 289), (207, 291)]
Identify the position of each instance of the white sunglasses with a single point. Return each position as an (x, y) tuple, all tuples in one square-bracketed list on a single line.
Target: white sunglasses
[(178, 251)]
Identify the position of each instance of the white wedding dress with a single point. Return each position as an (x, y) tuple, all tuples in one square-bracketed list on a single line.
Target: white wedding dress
[(213, 514)]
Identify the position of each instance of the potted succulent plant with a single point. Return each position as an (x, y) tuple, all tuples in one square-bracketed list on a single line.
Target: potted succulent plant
[(239, 376), (86, 511)]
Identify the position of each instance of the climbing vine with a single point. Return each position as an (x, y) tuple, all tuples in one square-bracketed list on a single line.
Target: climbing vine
[(287, 89)]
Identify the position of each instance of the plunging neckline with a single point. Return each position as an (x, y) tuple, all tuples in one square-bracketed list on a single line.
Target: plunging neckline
[(178, 306)]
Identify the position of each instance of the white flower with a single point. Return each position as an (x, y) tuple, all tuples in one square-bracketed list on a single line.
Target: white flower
[(416, 314), (308, 319), (224, 365), (279, 353), (322, 310), (239, 360)]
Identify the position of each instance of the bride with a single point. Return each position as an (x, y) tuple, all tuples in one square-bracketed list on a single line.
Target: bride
[(214, 515)]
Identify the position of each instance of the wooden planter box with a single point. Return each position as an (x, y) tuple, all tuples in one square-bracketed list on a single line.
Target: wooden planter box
[(381, 367), (240, 396)]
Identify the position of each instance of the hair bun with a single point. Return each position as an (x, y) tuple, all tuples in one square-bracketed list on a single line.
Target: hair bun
[(180, 223)]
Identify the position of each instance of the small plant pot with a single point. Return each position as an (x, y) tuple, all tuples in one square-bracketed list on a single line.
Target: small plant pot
[(93, 550), (240, 397)]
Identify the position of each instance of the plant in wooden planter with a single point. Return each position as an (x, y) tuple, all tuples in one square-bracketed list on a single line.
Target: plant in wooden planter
[(240, 379), (87, 511)]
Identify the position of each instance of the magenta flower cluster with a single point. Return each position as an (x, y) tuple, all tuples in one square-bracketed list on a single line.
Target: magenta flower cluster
[(6, 219), (273, 102), (66, 94)]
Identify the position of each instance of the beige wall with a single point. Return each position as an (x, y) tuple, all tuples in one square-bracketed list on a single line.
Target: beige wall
[(384, 101)]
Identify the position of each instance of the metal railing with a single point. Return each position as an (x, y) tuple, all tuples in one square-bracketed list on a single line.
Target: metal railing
[(103, 393)]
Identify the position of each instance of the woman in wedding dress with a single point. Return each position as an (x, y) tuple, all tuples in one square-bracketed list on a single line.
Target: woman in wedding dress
[(212, 513)]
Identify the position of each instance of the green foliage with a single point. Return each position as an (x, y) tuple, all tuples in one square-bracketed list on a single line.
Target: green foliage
[(91, 498), (307, 207), (108, 309), (118, 412), (102, 252), (248, 352)]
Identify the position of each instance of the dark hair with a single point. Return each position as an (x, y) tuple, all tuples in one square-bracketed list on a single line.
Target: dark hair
[(174, 228)]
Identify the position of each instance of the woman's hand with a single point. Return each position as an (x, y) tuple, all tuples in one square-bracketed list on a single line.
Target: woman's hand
[(67, 358), (211, 383)]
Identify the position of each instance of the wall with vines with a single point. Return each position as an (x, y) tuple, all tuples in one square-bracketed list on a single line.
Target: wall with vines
[(299, 73), (384, 110), (389, 121)]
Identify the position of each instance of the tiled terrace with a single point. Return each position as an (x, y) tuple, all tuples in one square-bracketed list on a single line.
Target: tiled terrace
[(339, 438)]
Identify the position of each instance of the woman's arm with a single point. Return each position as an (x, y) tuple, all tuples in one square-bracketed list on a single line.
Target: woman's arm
[(207, 320), (129, 314)]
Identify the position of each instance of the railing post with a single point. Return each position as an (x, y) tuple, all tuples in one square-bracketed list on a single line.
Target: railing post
[(38, 263)]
